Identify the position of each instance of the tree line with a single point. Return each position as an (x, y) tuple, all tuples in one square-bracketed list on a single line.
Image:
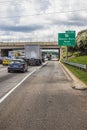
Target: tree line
[(81, 43)]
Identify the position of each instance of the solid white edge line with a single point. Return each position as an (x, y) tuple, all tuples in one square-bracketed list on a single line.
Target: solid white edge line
[(66, 74), (7, 94)]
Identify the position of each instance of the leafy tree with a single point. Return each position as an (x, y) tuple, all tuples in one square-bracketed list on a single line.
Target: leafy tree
[(81, 41)]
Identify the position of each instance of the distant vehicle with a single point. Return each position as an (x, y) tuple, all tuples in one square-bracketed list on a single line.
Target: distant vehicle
[(22, 57), (43, 57), (49, 57), (6, 60), (33, 54), (18, 65)]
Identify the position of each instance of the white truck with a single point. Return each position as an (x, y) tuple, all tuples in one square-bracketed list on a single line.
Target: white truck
[(33, 54)]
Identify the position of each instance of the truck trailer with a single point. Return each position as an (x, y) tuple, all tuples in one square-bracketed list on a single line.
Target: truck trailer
[(33, 54)]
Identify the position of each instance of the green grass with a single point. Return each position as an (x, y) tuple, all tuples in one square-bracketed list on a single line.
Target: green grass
[(78, 73), (82, 75), (80, 59)]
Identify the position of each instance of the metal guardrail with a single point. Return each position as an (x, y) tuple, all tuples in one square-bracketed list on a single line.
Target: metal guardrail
[(80, 66)]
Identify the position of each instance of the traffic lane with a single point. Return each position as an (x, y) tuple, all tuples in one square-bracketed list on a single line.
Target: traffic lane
[(1, 66), (45, 102), (31, 98), (10, 80), (4, 75)]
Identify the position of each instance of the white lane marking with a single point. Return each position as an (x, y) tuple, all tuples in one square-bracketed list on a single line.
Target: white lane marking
[(5, 96)]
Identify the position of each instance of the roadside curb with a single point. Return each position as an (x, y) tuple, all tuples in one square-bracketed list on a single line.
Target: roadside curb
[(77, 83)]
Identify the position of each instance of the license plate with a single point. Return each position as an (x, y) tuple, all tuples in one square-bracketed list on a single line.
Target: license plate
[(15, 66)]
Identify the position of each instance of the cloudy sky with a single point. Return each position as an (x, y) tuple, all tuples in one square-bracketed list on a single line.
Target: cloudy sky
[(40, 20)]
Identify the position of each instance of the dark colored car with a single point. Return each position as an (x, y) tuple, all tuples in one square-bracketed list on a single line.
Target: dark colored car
[(18, 65), (1, 60), (43, 57)]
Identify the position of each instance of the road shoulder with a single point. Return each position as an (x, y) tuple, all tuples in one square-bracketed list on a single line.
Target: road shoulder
[(77, 83)]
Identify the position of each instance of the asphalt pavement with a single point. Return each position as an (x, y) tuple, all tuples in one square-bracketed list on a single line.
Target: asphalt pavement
[(45, 101)]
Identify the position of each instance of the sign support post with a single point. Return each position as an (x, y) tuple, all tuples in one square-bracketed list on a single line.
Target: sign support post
[(66, 53)]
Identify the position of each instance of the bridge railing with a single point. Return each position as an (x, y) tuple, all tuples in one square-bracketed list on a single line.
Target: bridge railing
[(24, 43)]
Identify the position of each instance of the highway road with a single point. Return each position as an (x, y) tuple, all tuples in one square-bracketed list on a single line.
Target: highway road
[(41, 99)]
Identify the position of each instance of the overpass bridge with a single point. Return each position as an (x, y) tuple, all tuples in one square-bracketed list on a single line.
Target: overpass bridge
[(8, 46)]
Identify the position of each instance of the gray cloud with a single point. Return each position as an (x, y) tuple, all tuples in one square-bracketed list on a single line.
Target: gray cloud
[(78, 17), (43, 5), (70, 23), (72, 20), (44, 17), (27, 28), (14, 10)]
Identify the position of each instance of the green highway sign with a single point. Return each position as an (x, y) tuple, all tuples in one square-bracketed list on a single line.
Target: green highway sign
[(66, 39), (70, 32)]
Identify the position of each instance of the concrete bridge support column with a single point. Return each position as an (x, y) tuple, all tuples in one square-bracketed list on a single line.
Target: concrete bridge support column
[(4, 52)]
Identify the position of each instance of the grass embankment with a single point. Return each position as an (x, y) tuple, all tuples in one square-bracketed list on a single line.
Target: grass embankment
[(80, 60), (82, 75)]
